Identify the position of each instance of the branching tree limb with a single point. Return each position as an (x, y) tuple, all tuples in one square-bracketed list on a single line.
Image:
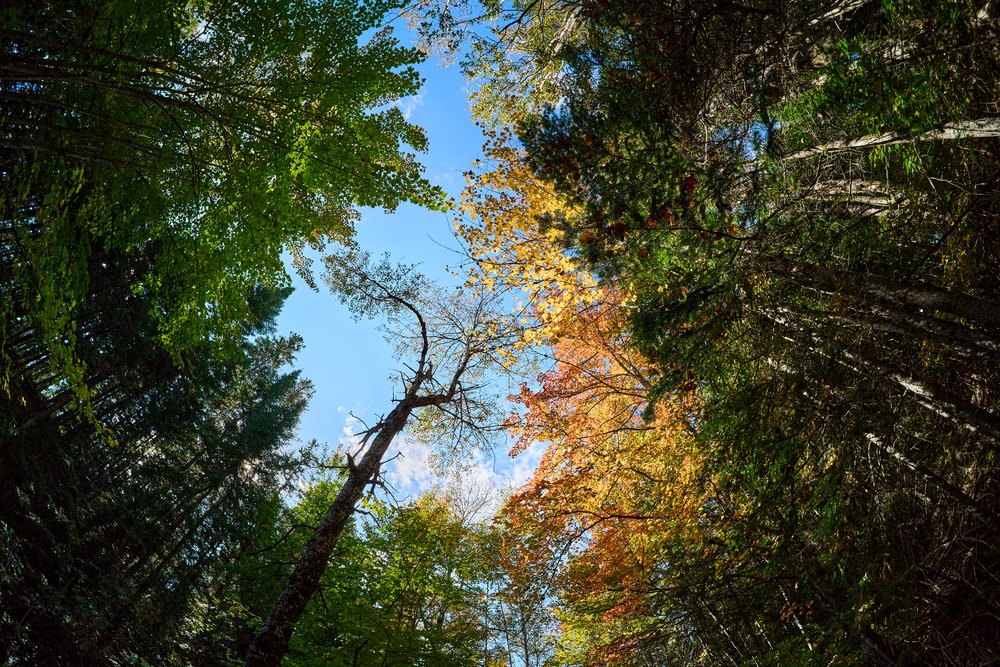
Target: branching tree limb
[(452, 338)]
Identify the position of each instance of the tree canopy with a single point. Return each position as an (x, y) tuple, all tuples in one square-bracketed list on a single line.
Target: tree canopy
[(734, 262), (206, 138)]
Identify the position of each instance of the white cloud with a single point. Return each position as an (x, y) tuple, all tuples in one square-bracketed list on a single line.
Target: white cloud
[(478, 484), (411, 468), (350, 440), (409, 104), (525, 464)]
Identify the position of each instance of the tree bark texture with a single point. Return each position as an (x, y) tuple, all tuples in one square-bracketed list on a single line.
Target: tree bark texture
[(918, 295), (271, 642), (979, 128)]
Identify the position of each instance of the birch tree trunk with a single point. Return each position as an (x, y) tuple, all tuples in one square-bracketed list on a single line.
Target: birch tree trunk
[(943, 485), (864, 197), (919, 295), (980, 128), (876, 317), (932, 397)]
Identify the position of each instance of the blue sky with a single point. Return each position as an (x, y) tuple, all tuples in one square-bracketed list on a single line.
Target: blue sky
[(348, 362)]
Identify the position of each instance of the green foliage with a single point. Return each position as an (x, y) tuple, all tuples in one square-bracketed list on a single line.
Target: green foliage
[(110, 545), (402, 588), (208, 136), (793, 204)]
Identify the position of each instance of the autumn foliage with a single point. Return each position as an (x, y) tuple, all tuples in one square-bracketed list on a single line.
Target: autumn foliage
[(619, 477)]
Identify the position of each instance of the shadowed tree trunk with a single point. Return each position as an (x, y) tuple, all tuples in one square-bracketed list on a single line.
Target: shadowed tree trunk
[(271, 642)]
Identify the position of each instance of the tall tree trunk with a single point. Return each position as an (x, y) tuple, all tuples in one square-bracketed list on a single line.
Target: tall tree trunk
[(934, 398), (869, 285), (979, 128), (953, 492), (271, 643), (865, 197), (351, 274), (908, 324), (939, 400)]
